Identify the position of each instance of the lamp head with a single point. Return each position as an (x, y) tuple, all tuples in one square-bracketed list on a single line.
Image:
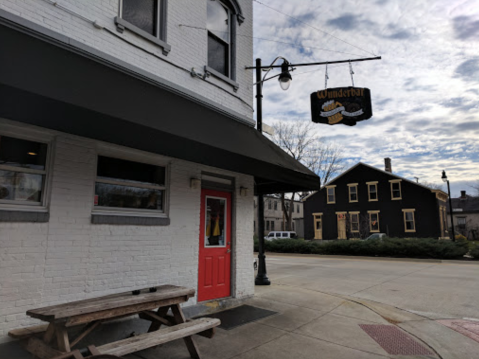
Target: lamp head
[(285, 77), (444, 177)]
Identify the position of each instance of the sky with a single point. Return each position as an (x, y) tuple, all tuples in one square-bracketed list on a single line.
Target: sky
[(425, 90)]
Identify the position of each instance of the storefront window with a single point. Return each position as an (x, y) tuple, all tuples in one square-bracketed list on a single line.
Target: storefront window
[(22, 171), (131, 185)]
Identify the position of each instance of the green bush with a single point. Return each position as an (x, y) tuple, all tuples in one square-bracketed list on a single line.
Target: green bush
[(388, 247), (474, 252)]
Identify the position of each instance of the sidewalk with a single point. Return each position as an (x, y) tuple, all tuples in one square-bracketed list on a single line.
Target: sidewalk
[(311, 324)]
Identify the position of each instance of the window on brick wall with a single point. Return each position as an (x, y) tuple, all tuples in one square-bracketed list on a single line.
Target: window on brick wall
[(127, 186), (23, 172), (221, 39), (146, 18)]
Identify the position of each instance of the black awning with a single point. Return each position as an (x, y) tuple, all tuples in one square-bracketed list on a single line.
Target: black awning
[(52, 84)]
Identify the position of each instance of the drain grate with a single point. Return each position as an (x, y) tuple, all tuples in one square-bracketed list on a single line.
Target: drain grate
[(394, 341)]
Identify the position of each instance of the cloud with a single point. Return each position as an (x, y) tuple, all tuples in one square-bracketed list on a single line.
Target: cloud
[(465, 28), (469, 70), (425, 116), (468, 126)]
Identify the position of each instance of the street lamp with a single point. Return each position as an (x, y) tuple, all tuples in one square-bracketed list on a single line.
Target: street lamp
[(444, 179), (284, 81)]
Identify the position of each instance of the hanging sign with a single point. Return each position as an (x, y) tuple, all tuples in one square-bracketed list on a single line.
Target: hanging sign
[(341, 105)]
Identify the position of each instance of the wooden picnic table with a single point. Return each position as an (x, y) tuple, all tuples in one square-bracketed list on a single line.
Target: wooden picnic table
[(53, 340)]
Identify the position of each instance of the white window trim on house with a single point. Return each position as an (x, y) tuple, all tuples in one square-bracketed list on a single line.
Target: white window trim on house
[(161, 25), (121, 153), (400, 189), (371, 222), (36, 135), (375, 184), (333, 187), (409, 210), (351, 222), (350, 185)]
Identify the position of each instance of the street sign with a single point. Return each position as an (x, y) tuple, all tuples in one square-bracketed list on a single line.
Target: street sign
[(341, 105)]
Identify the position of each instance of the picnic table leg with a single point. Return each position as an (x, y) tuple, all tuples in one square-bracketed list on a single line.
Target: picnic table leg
[(190, 344), (155, 325), (62, 338)]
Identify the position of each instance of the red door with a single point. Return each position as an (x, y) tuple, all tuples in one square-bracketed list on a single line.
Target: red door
[(215, 245)]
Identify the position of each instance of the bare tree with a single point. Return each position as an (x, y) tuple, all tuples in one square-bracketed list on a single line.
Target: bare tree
[(299, 141), (475, 186), (432, 185)]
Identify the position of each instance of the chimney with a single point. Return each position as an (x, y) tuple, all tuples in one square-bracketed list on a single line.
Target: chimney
[(387, 165), (463, 194)]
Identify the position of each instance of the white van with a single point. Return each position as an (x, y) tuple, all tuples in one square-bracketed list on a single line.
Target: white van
[(281, 234)]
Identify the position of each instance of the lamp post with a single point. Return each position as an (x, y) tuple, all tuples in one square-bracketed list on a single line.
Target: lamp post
[(444, 179), (284, 81)]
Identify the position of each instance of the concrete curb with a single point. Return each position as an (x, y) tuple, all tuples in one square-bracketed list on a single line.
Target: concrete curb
[(386, 259)]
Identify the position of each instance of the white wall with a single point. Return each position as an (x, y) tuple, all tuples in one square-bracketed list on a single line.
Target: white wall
[(189, 46), (69, 258)]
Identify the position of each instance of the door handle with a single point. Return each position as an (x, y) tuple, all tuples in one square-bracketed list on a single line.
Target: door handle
[(228, 251)]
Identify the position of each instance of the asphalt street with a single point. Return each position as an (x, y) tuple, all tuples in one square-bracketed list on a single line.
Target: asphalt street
[(433, 290)]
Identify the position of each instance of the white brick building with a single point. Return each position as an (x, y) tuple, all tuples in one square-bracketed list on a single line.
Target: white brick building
[(114, 154)]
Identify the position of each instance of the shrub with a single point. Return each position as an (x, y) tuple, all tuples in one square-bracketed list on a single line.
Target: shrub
[(474, 252), (388, 247), (460, 238)]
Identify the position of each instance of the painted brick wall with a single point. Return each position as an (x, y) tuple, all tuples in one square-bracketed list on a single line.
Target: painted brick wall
[(189, 46), (71, 259)]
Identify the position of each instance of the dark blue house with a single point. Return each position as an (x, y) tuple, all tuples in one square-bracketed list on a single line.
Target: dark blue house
[(365, 200)]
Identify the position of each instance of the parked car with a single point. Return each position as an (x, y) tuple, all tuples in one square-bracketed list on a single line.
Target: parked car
[(379, 236), (281, 234)]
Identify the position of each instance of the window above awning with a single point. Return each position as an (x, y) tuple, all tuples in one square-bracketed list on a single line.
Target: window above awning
[(48, 82)]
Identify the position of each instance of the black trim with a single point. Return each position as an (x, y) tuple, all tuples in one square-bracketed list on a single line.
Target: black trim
[(129, 220), (23, 216)]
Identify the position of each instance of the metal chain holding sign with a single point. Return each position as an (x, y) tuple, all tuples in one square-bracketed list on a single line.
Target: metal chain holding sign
[(351, 72), (326, 78)]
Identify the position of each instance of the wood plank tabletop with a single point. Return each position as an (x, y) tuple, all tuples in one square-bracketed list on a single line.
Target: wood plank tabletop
[(113, 301)]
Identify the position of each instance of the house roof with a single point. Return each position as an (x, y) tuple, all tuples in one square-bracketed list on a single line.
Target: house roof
[(468, 204), (376, 169)]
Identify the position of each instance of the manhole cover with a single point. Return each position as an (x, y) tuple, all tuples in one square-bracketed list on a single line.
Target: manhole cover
[(394, 341)]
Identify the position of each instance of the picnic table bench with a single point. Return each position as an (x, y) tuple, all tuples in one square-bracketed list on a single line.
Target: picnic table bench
[(53, 341)]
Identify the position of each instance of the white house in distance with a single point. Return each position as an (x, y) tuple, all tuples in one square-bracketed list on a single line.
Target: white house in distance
[(128, 153)]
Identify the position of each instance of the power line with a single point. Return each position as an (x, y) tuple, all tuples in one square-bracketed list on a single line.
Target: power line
[(272, 40), (301, 21)]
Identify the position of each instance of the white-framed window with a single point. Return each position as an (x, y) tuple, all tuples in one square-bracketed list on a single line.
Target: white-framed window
[(373, 221), (409, 221), (146, 18), (24, 166), (331, 194), (461, 221), (267, 225), (353, 192), (219, 25), (354, 221), (128, 187), (372, 191), (269, 204), (275, 205), (396, 189), (272, 225)]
